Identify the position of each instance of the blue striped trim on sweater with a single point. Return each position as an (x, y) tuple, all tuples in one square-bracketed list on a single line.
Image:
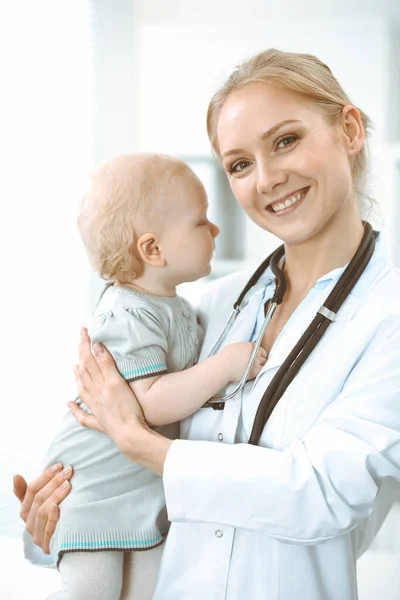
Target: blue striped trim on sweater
[(109, 544), (144, 370)]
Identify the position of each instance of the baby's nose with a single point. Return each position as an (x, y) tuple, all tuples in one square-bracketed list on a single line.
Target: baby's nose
[(215, 230)]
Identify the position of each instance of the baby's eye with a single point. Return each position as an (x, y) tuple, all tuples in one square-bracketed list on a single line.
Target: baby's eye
[(238, 166), (287, 141)]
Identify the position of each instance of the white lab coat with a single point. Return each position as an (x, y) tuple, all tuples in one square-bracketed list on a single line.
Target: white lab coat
[(287, 520)]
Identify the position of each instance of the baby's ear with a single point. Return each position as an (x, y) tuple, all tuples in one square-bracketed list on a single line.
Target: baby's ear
[(149, 250)]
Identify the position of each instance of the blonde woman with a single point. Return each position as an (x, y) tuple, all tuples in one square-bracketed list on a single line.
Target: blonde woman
[(287, 515)]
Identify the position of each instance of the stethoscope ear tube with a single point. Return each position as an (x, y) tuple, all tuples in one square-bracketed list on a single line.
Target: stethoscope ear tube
[(309, 340), (256, 276), (280, 287), (218, 403), (227, 327)]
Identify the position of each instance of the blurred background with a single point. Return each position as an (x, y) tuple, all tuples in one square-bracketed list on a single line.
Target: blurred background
[(86, 79)]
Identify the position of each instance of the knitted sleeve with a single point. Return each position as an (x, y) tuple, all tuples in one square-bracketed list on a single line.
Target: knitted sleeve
[(135, 338)]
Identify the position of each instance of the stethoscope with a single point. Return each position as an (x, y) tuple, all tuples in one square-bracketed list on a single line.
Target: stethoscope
[(325, 316)]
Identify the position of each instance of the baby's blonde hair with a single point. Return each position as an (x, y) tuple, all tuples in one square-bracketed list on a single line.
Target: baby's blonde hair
[(301, 73), (127, 196)]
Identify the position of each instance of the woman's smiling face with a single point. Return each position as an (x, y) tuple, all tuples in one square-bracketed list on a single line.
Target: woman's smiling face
[(289, 168)]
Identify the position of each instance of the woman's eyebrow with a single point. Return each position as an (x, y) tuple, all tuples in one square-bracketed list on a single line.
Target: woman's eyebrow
[(264, 136), (275, 128)]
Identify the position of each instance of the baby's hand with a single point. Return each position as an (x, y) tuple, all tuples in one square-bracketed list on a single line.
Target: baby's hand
[(237, 357)]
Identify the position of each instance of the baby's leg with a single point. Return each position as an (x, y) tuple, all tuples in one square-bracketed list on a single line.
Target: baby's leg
[(140, 573), (90, 576)]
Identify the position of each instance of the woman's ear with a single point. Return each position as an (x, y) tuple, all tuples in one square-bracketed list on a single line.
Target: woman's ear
[(149, 250), (353, 129)]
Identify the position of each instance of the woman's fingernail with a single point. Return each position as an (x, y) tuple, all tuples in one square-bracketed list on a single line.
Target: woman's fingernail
[(55, 468), (67, 471), (64, 485), (98, 349)]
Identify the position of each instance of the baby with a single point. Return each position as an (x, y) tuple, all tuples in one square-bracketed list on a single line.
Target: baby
[(144, 224)]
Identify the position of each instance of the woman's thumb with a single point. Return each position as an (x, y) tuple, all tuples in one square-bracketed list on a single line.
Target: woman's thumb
[(98, 350), (20, 487), (103, 357)]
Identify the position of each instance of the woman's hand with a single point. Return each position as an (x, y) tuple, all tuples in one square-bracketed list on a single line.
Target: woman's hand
[(40, 500), (104, 391), (116, 409)]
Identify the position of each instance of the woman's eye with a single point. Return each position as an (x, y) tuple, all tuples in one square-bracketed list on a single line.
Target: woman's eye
[(287, 141), (238, 166)]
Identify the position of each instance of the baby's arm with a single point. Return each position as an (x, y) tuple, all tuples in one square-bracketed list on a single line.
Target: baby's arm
[(138, 344), (172, 397)]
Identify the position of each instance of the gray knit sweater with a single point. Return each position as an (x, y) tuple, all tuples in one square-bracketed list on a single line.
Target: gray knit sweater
[(115, 504)]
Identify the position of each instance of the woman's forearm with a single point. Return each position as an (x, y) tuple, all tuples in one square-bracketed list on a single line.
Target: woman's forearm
[(142, 445)]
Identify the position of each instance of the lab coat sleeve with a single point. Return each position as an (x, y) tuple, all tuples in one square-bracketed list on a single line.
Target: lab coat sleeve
[(316, 488)]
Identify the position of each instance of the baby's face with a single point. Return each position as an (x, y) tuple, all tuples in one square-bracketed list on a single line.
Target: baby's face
[(188, 236)]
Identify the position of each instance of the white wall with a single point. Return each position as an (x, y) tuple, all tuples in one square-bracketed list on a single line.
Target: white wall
[(112, 34), (67, 103), (46, 153), (209, 12)]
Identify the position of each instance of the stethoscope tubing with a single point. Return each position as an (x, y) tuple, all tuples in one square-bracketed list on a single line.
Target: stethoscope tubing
[(257, 344), (308, 341), (280, 288), (313, 334)]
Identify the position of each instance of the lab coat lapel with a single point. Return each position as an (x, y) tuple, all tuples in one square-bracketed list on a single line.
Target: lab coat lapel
[(272, 435), (300, 320), (304, 314)]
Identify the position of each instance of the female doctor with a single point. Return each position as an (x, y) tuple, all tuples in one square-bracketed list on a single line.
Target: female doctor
[(288, 515)]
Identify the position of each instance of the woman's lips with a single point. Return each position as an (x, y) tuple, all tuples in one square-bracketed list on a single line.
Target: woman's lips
[(290, 208)]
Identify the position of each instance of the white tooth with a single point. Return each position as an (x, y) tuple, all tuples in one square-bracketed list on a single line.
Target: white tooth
[(288, 202)]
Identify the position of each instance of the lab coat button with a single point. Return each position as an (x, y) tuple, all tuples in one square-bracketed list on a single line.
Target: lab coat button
[(220, 437), (219, 533)]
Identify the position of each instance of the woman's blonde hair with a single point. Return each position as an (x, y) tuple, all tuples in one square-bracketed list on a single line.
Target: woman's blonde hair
[(127, 195), (301, 73)]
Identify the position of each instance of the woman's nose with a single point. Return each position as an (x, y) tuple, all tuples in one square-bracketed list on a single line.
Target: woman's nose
[(268, 177)]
